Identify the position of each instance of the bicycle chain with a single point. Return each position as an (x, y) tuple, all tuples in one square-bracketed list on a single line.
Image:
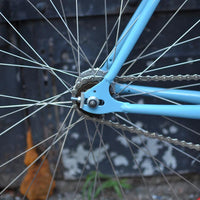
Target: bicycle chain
[(186, 77), (138, 131)]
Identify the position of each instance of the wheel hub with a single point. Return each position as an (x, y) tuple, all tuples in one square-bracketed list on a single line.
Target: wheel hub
[(87, 80)]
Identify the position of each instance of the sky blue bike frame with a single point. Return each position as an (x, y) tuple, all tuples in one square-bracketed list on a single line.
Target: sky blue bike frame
[(112, 66)]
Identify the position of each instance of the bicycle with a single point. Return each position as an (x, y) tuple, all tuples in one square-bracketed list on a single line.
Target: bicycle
[(110, 90)]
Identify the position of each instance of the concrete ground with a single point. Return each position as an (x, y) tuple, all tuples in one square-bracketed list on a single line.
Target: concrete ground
[(157, 187)]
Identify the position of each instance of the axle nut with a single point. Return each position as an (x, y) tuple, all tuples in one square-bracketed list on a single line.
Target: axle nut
[(92, 102)]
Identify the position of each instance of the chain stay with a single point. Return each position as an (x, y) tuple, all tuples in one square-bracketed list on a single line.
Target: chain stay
[(138, 131)]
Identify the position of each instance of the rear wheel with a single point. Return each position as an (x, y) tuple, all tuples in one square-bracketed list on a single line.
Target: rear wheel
[(59, 55)]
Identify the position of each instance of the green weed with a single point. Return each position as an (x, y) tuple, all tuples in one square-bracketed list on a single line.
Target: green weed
[(107, 182)]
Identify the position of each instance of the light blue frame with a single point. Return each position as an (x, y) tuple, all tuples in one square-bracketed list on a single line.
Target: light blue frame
[(119, 54)]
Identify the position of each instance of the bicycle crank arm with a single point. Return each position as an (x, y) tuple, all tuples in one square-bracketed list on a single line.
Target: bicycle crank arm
[(98, 100)]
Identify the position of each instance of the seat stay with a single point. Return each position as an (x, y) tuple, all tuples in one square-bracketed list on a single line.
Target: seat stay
[(128, 29), (101, 91)]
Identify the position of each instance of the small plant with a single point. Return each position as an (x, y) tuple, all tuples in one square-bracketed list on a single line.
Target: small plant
[(107, 182)]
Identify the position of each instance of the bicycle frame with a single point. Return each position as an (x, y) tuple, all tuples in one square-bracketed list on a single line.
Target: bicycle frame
[(114, 63)]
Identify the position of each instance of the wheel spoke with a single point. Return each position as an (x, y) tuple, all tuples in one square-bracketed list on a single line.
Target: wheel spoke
[(82, 55), (183, 35), (59, 156), (158, 161), (105, 43), (106, 26), (147, 153), (160, 31), (68, 32), (160, 50), (170, 66), (85, 164), (18, 49), (32, 113), (136, 162), (111, 163), (55, 140), (28, 44), (95, 158), (77, 36), (36, 67), (134, 125), (26, 107), (117, 34), (151, 93)]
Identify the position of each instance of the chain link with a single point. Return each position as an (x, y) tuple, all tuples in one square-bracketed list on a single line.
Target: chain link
[(138, 131), (186, 77)]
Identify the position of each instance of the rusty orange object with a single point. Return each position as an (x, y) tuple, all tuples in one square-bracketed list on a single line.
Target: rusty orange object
[(39, 187)]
